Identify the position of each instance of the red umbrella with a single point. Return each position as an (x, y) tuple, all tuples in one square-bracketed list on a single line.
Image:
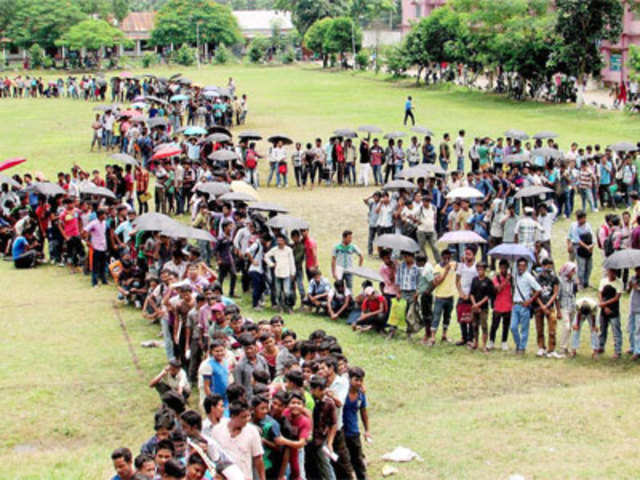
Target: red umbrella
[(126, 75), (12, 162), (131, 113), (166, 153)]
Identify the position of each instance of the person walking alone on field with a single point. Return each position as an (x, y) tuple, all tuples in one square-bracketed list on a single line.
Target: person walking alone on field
[(408, 111)]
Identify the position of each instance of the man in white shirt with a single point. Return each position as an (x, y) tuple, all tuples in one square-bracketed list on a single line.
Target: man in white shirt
[(281, 259), (427, 227), (458, 148), (546, 219)]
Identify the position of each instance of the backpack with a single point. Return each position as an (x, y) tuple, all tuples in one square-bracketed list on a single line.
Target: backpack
[(251, 160), (608, 246)]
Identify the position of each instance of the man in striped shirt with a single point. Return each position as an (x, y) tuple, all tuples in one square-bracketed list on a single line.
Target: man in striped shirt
[(586, 180)]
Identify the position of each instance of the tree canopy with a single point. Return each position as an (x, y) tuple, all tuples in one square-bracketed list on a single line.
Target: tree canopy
[(177, 19), (92, 35), (305, 13)]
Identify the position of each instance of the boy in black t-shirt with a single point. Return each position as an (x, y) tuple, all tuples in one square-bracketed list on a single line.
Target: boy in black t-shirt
[(482, 292)]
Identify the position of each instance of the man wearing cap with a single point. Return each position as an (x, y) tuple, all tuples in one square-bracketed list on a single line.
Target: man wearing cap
[(427, 227), (527, 229), (525, 292)]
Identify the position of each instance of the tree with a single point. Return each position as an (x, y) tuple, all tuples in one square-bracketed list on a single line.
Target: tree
[(257, 50), (364, 11), (92, 35), (580, 27), (314, 39), (177, 19), (120, 9), (42, 21), (305, 13), (342, 36)]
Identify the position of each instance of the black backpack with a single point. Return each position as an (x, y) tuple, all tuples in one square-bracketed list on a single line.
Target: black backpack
[(608, 246)]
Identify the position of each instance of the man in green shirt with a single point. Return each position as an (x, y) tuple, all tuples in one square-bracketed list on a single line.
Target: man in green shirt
[(483, 152), (342, 257)]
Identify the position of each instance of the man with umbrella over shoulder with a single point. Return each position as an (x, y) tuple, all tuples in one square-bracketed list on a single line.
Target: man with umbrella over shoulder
[(526, 290)]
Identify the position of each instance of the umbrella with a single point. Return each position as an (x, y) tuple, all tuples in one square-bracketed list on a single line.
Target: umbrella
[(151, 98), (422, 170), (175, 76), (223, 156), (11, 162), (399, 185), (125, 159), (224, 92), (244, 187), (213, 188), (250, 135), (465, 193), (547, 153), (211, 87), (89, 188), (219, 129), (102, 108), (139, 105), (280, 138), (512, 251), (422, 131), (369, 129), (345, 133), (627, 258), (287, 222), (166, 152), (154, 222), (217, 138), (185, 81), (130, 113), (157, 122), (10, 181), (395, 241), (545, 134), (237, 197), (394, 135), (179, 98), (268, 207), (461, 236), (126, 75), (623, 147), (184, 231), (47, 189), (532, 191), (516, 158), (364, 272), (195, 131), (517, 134), (210, 93)]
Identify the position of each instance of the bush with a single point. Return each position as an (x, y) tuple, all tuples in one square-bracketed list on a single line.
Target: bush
[(362, 59), (288, 56), (222, 55), (257, 49), (36, 54), (333, 60), (149, 59), (184, 56), (396, 62), (47, 62)]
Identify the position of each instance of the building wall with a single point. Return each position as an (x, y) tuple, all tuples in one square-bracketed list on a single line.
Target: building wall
[(616, 55), (414, 10)]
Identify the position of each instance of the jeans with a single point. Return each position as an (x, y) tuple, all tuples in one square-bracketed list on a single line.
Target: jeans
[(273, 169), (300, 282), (317, 464), (206, 251), (595, 339), (444, 164), (167, 337), (444, 307), (281, 178), (615, 328), (520, 317), (348, 280), (377, 174), (283, 291), (350, 173), (634, 333), (584, 269), (587, 197), (257, 287), (99, 267), (372, 236), (461, 163), (408, 114), (430, 238)]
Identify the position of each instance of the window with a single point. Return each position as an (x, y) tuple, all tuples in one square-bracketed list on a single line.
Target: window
[(418, 10)]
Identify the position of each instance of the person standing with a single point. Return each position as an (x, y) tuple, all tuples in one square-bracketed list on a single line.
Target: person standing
[(609, 293), (634, 315), (365, 163), (580, 243), (96, 230), (444, 282), (545, 307), (372, 217), (527, 229), (426, 230), (482, 294), (465, 273), (445, 152), (525, 292), (566, 303), (376, 154), (502, 305), (280, 258), (458, 148), (408, 111), (342, 258)]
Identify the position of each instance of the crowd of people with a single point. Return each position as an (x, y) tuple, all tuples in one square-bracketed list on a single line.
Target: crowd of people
[(271, 405)]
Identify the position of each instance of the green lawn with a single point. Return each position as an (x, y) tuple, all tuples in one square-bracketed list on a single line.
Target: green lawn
[(72, 391)]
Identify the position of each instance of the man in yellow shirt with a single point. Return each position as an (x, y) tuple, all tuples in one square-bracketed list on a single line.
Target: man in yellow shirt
[(444, 281)]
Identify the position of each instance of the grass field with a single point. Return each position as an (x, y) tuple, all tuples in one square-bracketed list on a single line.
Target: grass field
[(74, 378)]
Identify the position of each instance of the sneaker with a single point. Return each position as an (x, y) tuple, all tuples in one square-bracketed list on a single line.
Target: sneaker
[(595, 209), (541, 352), (490, 345), (505, 346), (138, 304), (554, 354)]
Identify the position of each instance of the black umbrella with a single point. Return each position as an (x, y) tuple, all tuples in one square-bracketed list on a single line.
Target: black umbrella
[(369, 129), (217, 138), (213, 188), (156, 100), (399, 185), (346, 133), (237, 197), (394, 135), (623, 147), (174, 77), (268, 207), (422, 131), (395, 241), (627, 258), (184, 231), (532, 191), (219, 129), (125, 159), (88, 188), (154, 222), (280, 138), (250, 135), (364, 272), (517, 134), (47, 189), (547, 153), (288, 223), (223, 156), (545, 134)]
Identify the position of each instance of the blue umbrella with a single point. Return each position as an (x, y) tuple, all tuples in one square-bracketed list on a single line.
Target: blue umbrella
[(512, 251), (195, 131), (180, 98)]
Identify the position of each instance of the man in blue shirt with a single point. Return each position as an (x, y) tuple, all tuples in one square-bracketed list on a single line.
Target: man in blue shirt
[(355, 402), (408, 111), (23, 251), (526, 290), (123, 464)]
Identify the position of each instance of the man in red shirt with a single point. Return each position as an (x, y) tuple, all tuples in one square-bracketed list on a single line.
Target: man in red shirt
[(69, 225), (310, 253), (374, 308), (299, 420)]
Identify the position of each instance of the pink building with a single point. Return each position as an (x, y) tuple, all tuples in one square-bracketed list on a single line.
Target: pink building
[(614, 56), (414, 10)]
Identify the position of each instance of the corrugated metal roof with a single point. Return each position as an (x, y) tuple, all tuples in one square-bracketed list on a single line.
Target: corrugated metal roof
[(137, 22), (262, 19)]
